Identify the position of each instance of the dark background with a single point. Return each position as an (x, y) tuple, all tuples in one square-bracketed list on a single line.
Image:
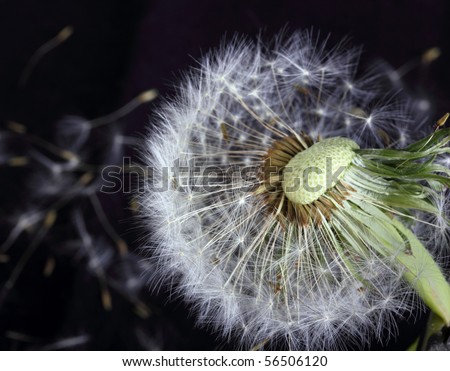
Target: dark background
[(117, 50)]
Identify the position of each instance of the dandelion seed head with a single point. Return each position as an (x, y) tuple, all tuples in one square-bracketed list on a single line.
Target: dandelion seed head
[(262, 263)]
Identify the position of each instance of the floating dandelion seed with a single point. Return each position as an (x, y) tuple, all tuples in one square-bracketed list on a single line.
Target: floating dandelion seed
[(63, 214), (288, 212)]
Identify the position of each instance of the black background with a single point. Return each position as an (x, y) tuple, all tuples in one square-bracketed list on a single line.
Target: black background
[(120, 48)]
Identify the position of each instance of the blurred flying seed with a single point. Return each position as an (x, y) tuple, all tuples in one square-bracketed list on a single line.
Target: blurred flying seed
[(142, 310), (122, 246), (49, 266), (431, 55), (106, 298), (16, 127), (143, 97), (50, 219), (18, 161), (61, 37)]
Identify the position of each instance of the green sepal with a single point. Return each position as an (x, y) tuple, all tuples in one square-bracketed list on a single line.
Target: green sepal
[(425, 275), (421, 271)]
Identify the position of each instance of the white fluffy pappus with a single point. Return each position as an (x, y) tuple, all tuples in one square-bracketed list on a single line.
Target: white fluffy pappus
[(256, 264)]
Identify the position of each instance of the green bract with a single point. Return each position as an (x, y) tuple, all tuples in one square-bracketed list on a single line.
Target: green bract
[(387, 185)]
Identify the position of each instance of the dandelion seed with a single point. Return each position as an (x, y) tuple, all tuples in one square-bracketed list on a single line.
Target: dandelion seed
[(73, 131), (61, 37), (314, 248), (68, 342), (22, 222)]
